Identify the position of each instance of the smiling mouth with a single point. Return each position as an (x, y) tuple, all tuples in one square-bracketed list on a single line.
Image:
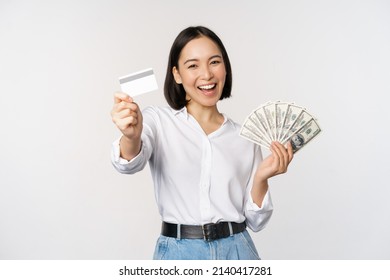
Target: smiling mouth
[(207, 87)]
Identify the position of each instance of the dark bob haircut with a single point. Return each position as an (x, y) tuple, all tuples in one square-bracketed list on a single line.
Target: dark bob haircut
[(174, 93)]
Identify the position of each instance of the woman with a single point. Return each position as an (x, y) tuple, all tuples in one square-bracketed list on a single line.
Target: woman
[(210, 184)]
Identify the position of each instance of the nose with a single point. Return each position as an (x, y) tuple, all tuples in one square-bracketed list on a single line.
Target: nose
[(207, 72)]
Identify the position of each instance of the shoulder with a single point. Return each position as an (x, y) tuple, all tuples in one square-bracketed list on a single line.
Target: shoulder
[(158, 111), (235, 126), (235, 129), (158, 114)]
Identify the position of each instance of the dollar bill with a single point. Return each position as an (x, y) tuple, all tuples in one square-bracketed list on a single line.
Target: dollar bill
[(304, 135), (256, 125), (280, 121), (269, 111), (281, 112), (293, 112), (260, 114), (250, 126), (249, 135), (300, 121)]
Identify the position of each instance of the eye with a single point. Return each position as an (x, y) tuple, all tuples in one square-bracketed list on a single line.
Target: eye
[(215, 62), (192, 66)]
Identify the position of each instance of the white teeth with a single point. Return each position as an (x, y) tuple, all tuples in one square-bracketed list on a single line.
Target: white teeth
[(207, 86)]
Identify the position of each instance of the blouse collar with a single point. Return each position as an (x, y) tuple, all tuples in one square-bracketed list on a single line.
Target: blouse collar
[(183, 111)]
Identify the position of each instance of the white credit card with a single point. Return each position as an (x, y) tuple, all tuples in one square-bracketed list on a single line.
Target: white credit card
[(138, 83)]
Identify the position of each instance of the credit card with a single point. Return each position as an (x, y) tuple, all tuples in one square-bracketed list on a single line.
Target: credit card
[(138, 83)]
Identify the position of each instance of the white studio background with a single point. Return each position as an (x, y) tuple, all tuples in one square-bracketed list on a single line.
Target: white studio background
[(60, 198)]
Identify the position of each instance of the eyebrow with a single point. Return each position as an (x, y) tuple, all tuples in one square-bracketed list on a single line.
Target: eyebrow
[(195, 59)]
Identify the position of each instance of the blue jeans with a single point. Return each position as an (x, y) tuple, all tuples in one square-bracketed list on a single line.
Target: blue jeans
[(236, 247)]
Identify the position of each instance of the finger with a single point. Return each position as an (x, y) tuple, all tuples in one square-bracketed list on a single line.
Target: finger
[(121, 96), (282, 154), (276, 156), (126, 113), (290, 152), (136, 109), (134, 106), (122, 124), (125, 105), (125, 123)]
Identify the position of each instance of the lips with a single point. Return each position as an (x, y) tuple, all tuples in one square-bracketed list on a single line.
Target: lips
[(207, 87)]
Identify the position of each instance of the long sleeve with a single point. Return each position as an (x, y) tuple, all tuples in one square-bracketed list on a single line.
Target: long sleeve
[(148, 143), (257, 217)]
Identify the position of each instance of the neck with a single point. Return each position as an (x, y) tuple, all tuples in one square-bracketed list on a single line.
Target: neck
[(209, 118), (204, 114)]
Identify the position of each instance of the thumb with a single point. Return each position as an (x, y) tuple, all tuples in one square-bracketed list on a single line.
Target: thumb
[(121, 96)]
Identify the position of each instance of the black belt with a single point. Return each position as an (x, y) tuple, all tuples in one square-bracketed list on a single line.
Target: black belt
[(207, 232)]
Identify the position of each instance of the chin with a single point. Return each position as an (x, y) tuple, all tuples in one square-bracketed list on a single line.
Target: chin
[(210, 103)]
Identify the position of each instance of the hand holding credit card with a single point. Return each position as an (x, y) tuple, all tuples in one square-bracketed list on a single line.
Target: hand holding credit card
[(138, 83)]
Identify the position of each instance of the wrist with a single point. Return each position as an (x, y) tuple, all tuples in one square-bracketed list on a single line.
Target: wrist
[(258, 192), (129, 148), (260, 178)]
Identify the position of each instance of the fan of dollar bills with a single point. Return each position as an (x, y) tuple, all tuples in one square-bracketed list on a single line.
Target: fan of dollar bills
[(280, 121)]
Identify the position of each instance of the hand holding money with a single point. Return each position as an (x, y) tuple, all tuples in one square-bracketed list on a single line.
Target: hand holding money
[(280, 121), (276, 163)]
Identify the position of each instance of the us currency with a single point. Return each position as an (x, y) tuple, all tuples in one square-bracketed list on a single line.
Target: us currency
[(292, 114), (252, 127), (304, 135), (260, 114), (280, 121), (281, 111), (257, 127), (301, 120), (253, 137), (269, 111)]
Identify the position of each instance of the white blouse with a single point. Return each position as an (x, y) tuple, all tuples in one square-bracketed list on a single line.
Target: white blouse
[(198, 178)]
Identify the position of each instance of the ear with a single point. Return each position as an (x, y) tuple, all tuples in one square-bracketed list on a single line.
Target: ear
[(176, 75)]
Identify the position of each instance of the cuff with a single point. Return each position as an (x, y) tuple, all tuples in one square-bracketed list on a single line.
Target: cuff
[(116, 153), (266, 204)]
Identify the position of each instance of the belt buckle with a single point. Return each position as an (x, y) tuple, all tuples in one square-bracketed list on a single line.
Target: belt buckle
[(209, 232)]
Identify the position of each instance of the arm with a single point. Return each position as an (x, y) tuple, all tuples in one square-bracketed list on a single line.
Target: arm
[(259, 208), (273, 165), (128, 118)]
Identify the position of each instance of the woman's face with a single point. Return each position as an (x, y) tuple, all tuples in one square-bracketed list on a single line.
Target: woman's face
[(201, 71)]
